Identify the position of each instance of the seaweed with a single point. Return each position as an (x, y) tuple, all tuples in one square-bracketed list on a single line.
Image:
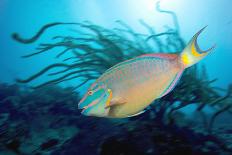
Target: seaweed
[(94, 49)]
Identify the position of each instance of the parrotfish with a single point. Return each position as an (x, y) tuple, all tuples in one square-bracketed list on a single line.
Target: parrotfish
[(127, 88)]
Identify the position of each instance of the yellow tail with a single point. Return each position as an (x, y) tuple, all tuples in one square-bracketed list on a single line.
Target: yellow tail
[(192, 53)]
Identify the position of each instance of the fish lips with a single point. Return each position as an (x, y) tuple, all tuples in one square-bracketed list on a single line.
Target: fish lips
[(97, 107), (86, 102), (83, 102), (84, 108)]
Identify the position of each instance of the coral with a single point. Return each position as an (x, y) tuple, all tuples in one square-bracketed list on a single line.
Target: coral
[(27, 118), (46, 121)]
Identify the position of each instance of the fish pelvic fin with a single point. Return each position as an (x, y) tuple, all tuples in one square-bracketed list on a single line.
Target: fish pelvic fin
[(192, 52)]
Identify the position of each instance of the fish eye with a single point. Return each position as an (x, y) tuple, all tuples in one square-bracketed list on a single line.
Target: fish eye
[(90, 92)]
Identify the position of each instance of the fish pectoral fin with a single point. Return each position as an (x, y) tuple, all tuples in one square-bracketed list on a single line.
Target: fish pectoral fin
[(117, 101)]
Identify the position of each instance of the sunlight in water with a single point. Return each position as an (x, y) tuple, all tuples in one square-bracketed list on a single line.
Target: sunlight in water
[(146, 5), (101, 8)]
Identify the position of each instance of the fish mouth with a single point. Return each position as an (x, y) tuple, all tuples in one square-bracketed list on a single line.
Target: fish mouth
[(80, 106), (93, 103), (84, 106), (90, 105)]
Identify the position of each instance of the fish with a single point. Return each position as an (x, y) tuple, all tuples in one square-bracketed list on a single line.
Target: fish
[(129, 87)]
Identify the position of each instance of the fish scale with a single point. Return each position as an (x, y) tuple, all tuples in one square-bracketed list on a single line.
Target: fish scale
[(146, 75), (148, 68)]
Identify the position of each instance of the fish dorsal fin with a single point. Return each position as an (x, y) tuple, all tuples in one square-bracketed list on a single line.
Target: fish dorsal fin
[(161, 55), (139, 113), (116, 101)]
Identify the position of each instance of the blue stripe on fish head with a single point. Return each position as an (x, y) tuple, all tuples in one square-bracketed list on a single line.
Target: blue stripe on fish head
[(98, 108), (90, 97)]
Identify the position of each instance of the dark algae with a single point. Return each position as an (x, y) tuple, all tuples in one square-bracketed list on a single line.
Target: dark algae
[(49, 144)]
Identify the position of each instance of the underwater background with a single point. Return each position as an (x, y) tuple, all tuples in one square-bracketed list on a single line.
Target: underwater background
[(51, 51)]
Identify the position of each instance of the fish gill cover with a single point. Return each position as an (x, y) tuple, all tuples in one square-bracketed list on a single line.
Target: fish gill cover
[(45, 120)]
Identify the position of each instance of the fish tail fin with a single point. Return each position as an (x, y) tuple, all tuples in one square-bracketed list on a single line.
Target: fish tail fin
[(192, 53)]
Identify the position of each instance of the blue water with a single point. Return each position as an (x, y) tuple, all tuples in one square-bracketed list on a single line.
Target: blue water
[(26, 17)]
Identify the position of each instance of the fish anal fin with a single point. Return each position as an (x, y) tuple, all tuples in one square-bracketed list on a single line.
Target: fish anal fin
[(139, 113), (116, 101)]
